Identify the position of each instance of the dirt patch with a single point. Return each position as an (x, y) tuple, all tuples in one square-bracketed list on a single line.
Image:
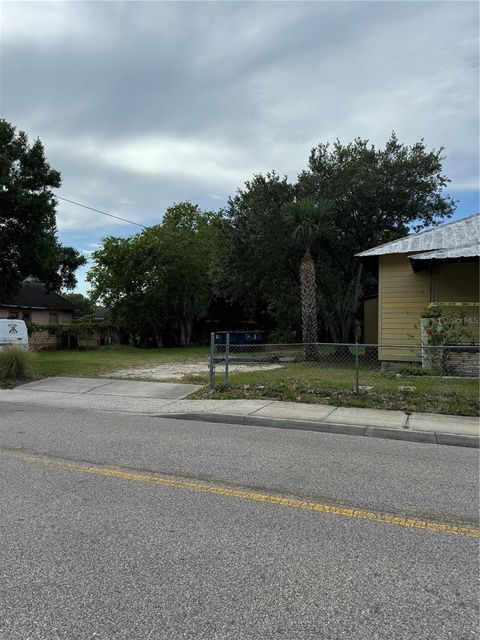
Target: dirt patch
[(177, 370)]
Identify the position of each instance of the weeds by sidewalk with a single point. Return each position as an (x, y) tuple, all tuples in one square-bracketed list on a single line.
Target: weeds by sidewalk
[(300, 382)]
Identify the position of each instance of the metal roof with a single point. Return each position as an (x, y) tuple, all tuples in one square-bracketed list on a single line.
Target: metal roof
[(465, 251), (453, 235)]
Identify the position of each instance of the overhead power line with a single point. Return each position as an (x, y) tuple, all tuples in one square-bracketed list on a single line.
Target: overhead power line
[(104, 213)]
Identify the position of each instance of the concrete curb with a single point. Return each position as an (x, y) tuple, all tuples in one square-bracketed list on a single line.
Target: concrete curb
[(429, 437)]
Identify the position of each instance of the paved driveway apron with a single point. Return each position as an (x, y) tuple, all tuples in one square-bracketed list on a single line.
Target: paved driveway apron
[(108, 387)]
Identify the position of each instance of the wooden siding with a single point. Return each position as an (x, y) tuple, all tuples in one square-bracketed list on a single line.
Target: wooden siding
[(459, 282), (402, 296), (370, 321)]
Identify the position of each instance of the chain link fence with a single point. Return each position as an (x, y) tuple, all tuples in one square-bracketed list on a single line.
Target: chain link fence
[(353, 361)]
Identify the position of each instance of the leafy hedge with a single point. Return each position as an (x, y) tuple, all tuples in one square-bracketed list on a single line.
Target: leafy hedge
[(73, 329)]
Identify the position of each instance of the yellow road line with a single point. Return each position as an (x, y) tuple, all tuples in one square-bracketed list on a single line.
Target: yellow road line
[(255, 496)]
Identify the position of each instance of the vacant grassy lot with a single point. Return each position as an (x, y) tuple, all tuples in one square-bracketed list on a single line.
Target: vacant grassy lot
[(316, 383), (104, 360), (324, 382)]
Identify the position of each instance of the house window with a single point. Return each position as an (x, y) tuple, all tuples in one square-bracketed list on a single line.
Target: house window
[(26, 316), (13, 315)]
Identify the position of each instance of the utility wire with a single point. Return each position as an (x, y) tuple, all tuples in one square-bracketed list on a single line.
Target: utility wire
[(104, 213)]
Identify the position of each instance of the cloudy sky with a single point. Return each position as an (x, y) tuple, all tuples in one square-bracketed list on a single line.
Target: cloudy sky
[(141, 104)]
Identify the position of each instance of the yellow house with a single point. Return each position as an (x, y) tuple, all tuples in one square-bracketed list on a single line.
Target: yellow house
[(439, 266)]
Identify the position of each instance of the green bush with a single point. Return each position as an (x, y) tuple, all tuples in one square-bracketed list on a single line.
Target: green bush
[(16, 363)]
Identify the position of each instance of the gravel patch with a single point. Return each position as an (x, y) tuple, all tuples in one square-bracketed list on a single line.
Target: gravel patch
[(177, 370)]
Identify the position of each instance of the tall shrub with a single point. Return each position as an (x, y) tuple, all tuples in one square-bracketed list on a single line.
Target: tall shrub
[(16, 363)]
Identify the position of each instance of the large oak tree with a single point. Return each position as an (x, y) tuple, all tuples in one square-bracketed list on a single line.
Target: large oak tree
[(377, 195), (257, 261), (29, 247), (157, 283)]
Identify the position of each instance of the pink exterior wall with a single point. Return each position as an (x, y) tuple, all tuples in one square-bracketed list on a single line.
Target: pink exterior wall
[(38, 316), (41, 339)]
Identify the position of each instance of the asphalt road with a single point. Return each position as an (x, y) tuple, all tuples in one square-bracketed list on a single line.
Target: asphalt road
[(120, 526)]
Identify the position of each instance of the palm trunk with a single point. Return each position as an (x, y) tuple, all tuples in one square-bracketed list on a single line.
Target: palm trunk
[(308, 287)]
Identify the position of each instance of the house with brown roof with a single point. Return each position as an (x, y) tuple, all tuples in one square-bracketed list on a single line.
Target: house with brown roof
[(33, 303), (435, 267)]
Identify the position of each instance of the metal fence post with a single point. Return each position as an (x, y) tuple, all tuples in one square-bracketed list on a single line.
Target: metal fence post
[(227, 355), (357, 367), (211, 368)]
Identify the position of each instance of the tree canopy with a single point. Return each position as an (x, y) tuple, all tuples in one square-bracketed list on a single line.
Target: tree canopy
[(350, 197), (376, 195), (28, 233), (83, 305), (258, 260), (159, 281)]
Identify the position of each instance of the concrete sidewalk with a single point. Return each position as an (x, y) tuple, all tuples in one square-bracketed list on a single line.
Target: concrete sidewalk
[(169, 400), (417, 427)]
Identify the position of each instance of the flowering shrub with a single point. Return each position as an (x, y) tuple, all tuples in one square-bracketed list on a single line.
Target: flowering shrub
[(441, 329)]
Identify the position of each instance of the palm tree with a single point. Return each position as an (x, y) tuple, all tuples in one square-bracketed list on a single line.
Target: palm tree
[(308, 218)]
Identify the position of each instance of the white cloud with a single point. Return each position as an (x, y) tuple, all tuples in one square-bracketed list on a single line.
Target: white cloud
[(208, 162), (140, 104), (46, 23), (72, 217)]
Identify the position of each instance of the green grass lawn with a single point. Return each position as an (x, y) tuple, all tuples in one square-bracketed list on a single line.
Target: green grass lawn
[(95, 362), (301, 382), (324, 382)]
